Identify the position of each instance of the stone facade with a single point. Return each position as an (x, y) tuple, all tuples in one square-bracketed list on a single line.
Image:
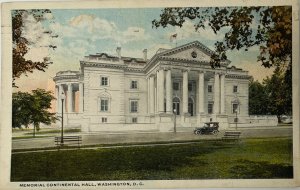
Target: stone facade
[(116, 93)]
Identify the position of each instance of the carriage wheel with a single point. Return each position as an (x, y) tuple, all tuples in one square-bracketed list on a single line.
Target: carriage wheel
[(215, 132)]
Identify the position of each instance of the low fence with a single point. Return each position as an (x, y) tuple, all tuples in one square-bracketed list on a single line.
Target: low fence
[(257, 121)]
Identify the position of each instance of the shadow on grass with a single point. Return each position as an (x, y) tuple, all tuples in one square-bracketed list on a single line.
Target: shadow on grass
[(246, 169), (129, 163)]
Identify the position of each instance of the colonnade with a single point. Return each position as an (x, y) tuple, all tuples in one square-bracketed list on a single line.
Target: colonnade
[(160, 91), (69, 97)]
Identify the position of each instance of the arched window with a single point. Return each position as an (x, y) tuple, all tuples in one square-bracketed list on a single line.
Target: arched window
[(176, 105)]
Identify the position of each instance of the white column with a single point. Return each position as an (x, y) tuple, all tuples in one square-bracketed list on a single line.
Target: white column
[(217, 94), (185, 92), (80, 97), (57, 98), (60, 90), (168, 92), (70, 98), (201, 92), (160, 90), (222, 93), (151, 94)]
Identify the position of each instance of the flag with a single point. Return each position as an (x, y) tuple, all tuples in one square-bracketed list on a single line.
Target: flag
[(172, 37)]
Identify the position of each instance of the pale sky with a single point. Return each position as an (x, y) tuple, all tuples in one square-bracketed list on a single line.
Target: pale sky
[(88, 31)]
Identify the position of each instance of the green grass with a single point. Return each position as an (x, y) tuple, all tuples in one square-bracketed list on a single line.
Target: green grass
[(54, 131), (28, 137), (250, 158)]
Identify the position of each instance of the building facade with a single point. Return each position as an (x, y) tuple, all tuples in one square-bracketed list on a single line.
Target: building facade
[(175, 87)]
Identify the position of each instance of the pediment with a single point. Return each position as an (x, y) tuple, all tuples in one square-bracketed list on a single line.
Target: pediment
[(194, 51)]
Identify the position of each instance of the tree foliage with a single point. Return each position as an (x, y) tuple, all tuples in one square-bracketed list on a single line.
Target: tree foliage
[(258, 99), (32, 108), (273, 95), (269, 28), (21, 44)]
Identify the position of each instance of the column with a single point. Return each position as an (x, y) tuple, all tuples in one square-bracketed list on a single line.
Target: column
[(222, 78), (80, 97), (151, 94), (70, 98), (168, 91), (201, 92), (185, 92), (60, 90), (160, 90), (57, 98), (217, 94)]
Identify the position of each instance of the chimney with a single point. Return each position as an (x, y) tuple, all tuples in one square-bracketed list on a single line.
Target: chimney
[(119, 52), (145, 54)]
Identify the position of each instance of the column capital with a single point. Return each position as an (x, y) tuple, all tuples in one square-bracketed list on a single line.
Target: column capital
[(201, 71), (185, 70)]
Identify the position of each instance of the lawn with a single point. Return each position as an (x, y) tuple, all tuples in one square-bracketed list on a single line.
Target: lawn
[(250, 158)]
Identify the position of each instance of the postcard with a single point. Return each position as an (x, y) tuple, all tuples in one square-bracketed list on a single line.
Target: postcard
[(149, 94)]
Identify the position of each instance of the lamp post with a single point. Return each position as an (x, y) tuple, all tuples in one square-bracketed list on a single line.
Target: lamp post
[(62, 97), (174, 112), (236, 119)]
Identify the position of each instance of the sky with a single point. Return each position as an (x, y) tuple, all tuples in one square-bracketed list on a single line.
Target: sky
[(88, 31)]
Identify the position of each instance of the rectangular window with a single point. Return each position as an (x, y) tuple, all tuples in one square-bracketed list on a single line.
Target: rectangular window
[(210, 108), (104, 81), (190, 86), (104, 119), (175, 86), (235, 108), (235, 89), (104, 105), (133, 106), (209, 88), (134, 120), (133, 84)]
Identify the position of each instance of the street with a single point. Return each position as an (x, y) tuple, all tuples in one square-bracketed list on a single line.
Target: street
[(126, 137)]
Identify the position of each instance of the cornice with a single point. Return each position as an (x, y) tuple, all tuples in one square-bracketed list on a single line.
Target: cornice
[(238, 76), (62, 77)]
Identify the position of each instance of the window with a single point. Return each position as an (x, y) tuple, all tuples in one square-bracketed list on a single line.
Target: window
[(235, 89), (133, 106), (190, 86), (133, 84), (209, 88), (104, 119), (235, 108), (134, 120), (210, 108), (104, 81), (175, 86), (104, 105)]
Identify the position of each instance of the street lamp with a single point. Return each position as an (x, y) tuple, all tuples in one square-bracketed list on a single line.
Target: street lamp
[(62, 97), (174, 112), (236, 118)]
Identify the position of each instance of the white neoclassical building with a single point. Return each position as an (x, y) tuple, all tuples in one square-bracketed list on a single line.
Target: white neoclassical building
[(117, 93)]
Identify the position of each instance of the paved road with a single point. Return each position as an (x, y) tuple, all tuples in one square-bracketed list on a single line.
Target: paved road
[(113, 138)]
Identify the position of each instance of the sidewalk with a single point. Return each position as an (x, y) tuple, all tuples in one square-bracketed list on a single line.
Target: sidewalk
[(121, 138)]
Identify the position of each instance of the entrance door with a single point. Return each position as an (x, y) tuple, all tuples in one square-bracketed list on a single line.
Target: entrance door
[(176, 105), (191, 107)]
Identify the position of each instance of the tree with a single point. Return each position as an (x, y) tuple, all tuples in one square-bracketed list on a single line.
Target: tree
[(21, 102), (279, 91), (32, 109), (269, 28), (21, 44), (258, 97)]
